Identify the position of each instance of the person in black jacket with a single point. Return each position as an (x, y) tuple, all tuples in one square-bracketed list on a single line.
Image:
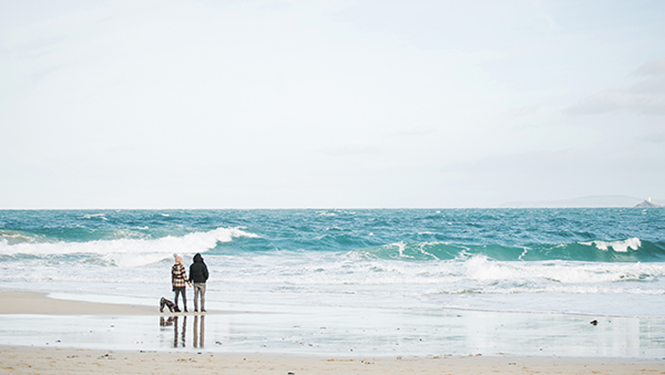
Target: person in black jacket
[(198, 274)]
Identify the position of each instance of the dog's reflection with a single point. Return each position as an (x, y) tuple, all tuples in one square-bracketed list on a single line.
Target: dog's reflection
[(180, 330), (166, 322)]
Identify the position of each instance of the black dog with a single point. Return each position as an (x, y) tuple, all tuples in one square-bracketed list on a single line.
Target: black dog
[(164, 302)]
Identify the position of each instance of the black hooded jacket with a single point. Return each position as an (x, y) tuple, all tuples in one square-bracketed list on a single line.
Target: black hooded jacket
[(198, 271)]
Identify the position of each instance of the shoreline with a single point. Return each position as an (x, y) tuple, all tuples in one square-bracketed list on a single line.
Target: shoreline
[(38, 303)]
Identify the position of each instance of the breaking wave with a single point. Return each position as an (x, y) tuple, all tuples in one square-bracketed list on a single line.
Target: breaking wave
[(122, 252), (628, 250)]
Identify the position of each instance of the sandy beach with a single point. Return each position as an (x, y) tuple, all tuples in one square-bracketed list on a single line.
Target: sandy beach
[(28, 360), (45, 359), (19, 302)]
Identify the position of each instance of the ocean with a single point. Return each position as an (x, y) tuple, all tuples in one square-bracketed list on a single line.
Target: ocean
[(586, 262), (481, 259)]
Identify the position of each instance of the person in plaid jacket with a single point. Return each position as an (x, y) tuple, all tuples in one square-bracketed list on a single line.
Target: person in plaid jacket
[(179, 281)]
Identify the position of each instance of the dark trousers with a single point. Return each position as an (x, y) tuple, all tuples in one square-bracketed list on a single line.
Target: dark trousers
[(180, 291)]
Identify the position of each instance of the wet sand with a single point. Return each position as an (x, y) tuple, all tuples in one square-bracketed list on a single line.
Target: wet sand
[(18, 302), (16, 359)]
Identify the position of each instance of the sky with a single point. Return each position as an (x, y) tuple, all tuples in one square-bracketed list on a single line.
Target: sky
[(329, 104)]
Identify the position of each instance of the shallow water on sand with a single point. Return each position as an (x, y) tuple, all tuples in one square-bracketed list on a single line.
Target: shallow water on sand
[(348, 332)]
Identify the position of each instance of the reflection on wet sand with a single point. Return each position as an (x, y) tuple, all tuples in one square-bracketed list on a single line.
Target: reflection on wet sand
[(180, 330), (199, 331)]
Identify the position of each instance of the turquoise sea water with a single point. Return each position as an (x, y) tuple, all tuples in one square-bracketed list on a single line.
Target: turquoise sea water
[(592, 261)]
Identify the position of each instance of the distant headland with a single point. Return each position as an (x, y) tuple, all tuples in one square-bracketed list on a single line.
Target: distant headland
[(604, 201), (648, 203)]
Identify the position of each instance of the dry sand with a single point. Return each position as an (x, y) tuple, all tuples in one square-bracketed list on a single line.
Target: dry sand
[(37, 360), (29, 360)]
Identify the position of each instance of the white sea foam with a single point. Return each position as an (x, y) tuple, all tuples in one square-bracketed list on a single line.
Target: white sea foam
[(131, 252), (477, 273), (619, 246), (329, 275), (94, 216)]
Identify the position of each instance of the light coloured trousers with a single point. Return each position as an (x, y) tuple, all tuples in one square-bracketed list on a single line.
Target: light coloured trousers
[(199, 290)]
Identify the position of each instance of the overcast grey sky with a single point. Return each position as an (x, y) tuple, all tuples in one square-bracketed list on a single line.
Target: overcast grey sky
[(280, 104)]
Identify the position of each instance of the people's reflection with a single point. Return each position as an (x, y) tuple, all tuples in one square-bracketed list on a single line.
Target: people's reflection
[(184, 330), (173, 321), (199, 331), (180, 331)]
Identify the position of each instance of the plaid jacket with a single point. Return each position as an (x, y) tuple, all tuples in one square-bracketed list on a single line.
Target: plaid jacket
[(178, 276)]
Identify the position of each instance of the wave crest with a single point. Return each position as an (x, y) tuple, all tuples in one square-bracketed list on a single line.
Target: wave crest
[(128, 252), (620, 246)]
